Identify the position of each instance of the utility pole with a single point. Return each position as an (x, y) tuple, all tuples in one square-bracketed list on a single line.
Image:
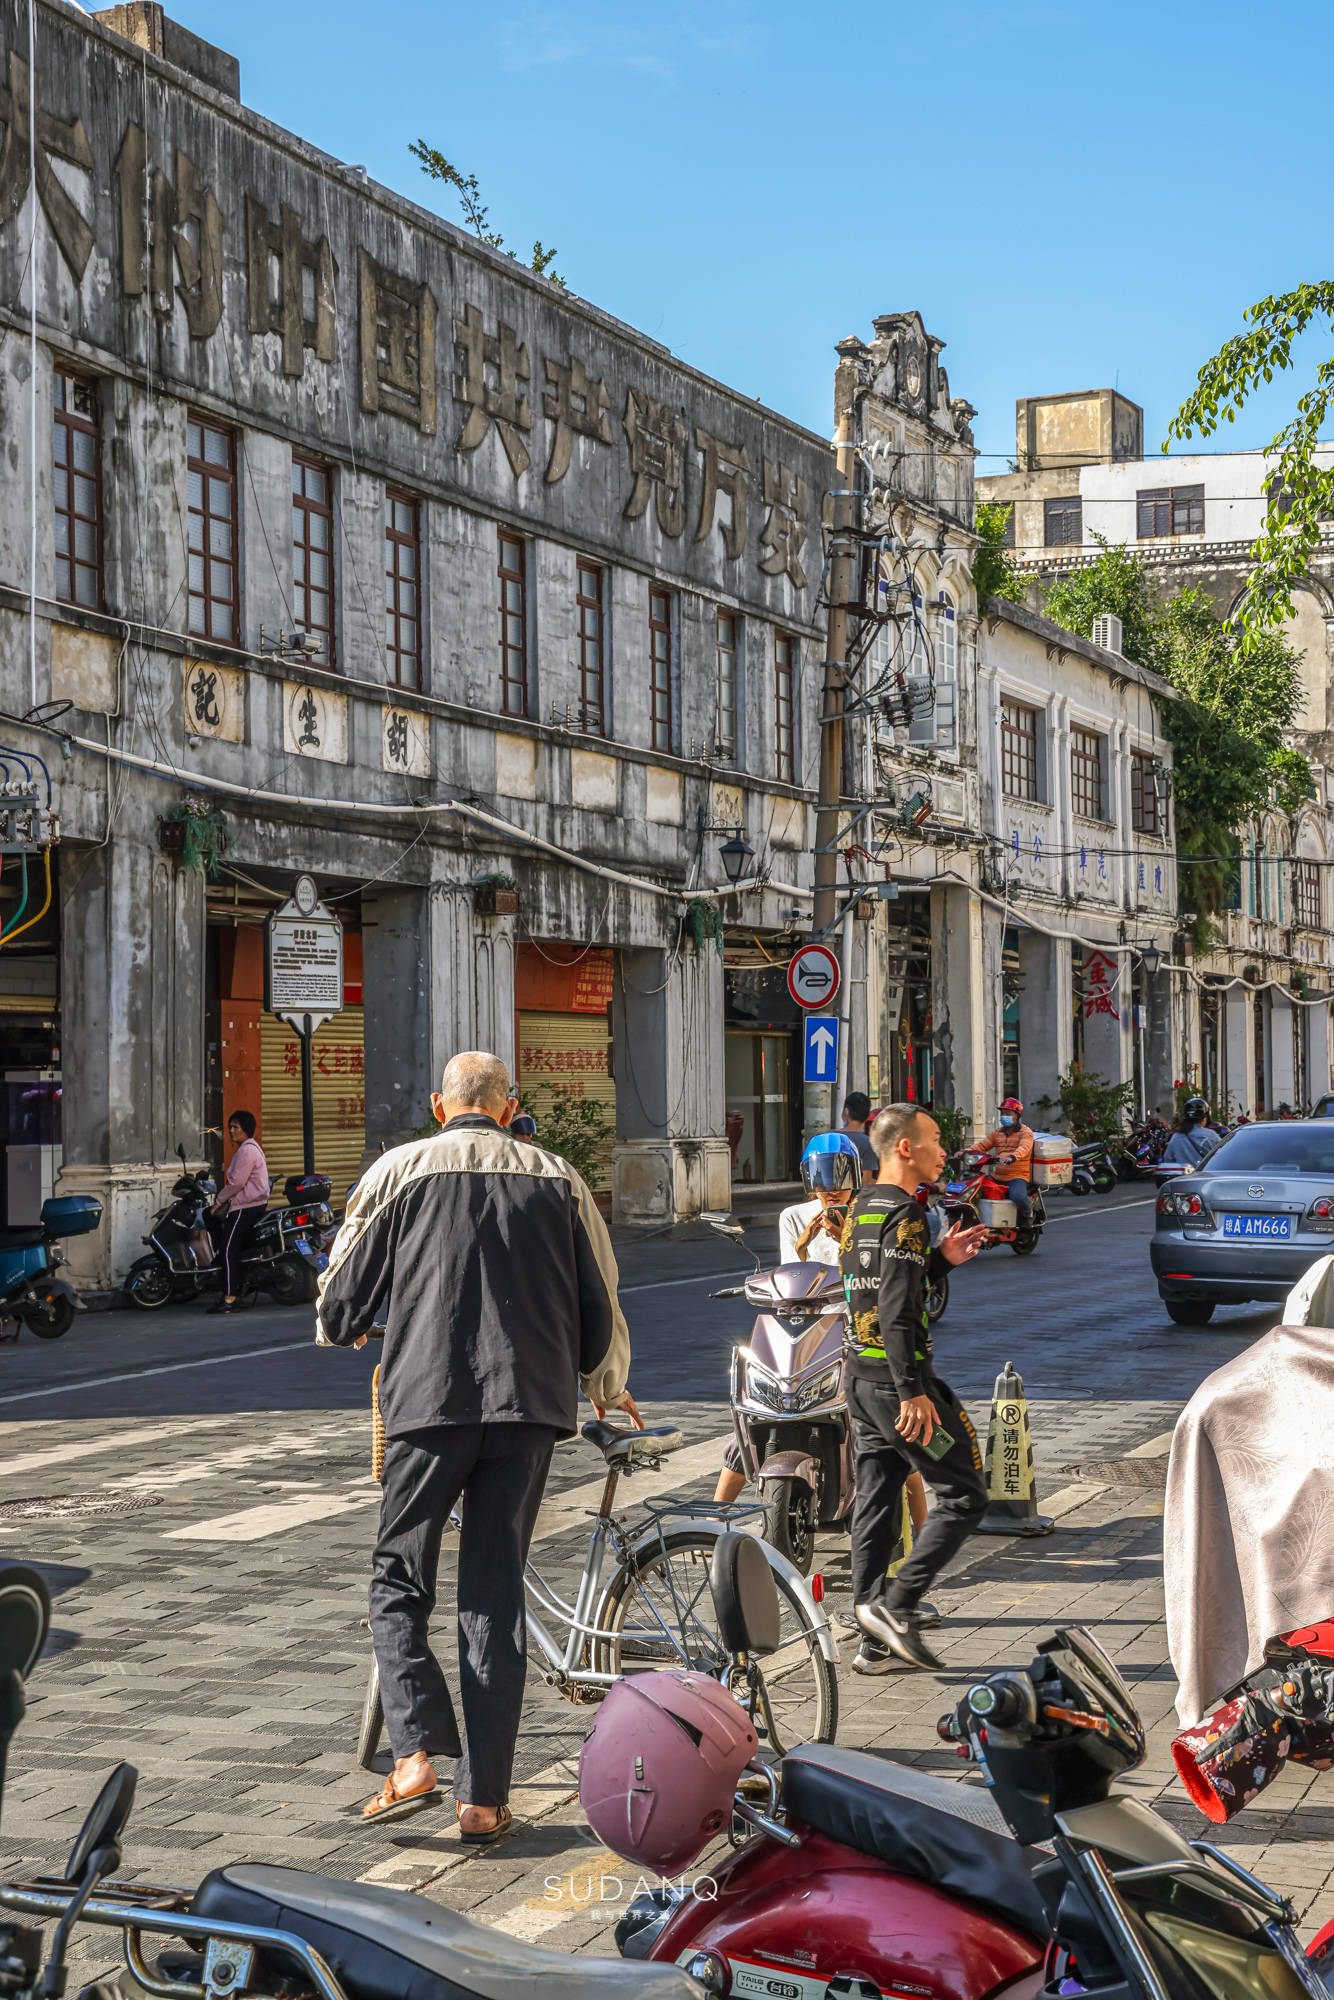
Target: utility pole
[(844, 573)]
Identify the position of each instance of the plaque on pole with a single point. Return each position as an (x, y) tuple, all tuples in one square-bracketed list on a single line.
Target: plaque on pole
[(303, 982)]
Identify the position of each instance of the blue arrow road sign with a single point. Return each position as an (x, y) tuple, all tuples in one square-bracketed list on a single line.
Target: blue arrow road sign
[(821, 1048)]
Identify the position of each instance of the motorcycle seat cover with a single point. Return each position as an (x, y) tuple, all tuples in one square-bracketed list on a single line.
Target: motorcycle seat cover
[(23, 1236), (384, 1944), (933, 1829)]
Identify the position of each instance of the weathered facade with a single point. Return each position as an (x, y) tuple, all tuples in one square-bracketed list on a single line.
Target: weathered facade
[(410, 569), (1251, 1019)]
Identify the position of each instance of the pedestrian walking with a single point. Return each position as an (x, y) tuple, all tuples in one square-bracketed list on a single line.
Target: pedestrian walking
[(897, 1401), (856, 1111), (241, 1200), (487, 1260)]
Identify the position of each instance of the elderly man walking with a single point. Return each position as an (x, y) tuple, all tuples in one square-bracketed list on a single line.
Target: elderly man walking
[(493, 1271)]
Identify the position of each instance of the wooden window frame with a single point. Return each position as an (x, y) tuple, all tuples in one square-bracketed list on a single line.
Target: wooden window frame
[(1168, 510), (1020, 769), (1060, 511), (1306, 895), (1088, 774), (70, 424), (661, 718), (592, 623), (404, 662), (211, 473), (514, 691), (785, 738), (307, 509), (727, 753), (1145, 811)]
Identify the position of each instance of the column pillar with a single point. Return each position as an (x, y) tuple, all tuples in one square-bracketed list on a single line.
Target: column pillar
[(1107, 1036), (1160, 999), (397, 989), (1046, 1017), (1238, 1038), (1283, 1088), (671, 1158), (1317, 1053), (959, 1035), (132, 1044)]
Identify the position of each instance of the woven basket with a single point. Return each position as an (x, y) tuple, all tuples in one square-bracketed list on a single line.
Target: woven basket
[(378, 1439)]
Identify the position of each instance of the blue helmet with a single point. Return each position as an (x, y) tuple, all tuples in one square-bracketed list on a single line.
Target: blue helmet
[(832, 1164)]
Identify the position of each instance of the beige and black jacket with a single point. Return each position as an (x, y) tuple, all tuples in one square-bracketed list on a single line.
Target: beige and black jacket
[(487, 1260)]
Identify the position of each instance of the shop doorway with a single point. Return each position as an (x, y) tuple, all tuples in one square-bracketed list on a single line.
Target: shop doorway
[(30, 1066), (759, 1105), (562, 997)]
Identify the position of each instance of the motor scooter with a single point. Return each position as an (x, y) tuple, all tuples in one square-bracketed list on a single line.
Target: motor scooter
[(976, 1195), (1094, 1169), (856, 1875), (252, 1930), (31, 1294), (788, 1402), (283, 1256)]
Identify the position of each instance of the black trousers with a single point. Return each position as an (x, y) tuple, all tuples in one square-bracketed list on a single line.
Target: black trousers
[(499, 1471), (883, 1462), (236, 1227)]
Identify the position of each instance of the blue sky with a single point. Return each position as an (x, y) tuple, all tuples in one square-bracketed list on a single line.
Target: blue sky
[(1071, 195)]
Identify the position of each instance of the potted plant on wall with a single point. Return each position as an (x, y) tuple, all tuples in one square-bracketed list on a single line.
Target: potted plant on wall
[(495, 896)]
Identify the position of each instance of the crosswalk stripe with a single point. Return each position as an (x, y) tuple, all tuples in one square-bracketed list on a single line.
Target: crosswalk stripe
[(252, 1524), (23, 1460)]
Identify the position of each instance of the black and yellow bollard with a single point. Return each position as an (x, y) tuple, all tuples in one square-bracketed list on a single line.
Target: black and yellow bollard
[(1012, 1503)]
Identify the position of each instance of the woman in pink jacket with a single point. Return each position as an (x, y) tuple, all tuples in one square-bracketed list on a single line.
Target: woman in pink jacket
[(243, 1199)]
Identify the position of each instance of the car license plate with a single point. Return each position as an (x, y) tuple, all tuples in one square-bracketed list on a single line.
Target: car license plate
[(1271, 1226)]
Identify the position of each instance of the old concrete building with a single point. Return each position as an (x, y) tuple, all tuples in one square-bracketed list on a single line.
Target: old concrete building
[(1057, 438), (1251, 1020), (333, 535)]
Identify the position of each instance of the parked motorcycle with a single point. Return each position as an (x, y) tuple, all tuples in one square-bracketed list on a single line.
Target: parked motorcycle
[(1094, 1169), (283, 1257), (862, 1875), (975, 1195), (31, 1294), (267, 1933), (789, 1407)]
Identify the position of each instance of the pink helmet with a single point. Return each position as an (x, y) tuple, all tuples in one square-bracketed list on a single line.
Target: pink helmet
[(656, 1776)]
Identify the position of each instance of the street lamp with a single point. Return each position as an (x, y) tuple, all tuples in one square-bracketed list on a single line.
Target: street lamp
[(1151, 958), (735, 853)]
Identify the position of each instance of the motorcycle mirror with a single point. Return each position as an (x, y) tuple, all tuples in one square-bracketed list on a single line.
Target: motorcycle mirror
[(725, 1224), (105, 1824), (180, 1152)]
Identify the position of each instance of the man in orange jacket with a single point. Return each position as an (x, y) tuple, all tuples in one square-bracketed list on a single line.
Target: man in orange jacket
[(1012, 1143)]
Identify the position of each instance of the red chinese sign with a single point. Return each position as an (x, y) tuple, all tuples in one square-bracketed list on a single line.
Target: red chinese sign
[(1100, 977)]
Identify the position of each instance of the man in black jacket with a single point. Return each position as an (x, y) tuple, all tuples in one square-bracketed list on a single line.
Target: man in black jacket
[(896, 1399), (488, 1261)]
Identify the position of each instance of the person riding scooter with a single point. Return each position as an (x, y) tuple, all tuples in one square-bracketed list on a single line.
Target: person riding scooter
[(1012, 1143)]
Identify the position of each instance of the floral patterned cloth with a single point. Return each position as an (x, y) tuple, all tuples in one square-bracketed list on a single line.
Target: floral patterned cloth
[(1248, 1528), (1281, 1713)]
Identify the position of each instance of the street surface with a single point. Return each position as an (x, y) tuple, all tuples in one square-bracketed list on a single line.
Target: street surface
[(209, 1606)]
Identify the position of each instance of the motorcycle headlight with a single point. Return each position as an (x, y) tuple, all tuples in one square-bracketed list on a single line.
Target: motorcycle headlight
[(818, 1390), (762, 1388)]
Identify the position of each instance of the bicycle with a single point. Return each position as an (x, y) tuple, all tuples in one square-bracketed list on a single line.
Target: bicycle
[(657, 1610)]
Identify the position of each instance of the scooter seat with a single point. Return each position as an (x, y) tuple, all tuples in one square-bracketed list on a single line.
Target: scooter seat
[(384, 1944), (24, 1237), (933, 1829)]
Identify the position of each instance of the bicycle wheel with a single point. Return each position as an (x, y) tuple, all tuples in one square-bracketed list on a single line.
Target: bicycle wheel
[(659, 1613)]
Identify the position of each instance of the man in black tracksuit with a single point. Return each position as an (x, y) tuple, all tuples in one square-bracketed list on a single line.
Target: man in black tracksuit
[(487, 1259), (894, 1395)]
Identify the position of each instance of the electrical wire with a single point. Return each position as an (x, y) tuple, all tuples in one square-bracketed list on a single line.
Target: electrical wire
[(23, 902), (14, 929)]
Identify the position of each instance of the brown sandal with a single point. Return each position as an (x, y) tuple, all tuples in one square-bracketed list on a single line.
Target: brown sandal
[(393, 1804), (504, 1825)]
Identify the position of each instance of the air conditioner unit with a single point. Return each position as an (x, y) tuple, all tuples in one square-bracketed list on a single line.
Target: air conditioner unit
[(1107, 631)]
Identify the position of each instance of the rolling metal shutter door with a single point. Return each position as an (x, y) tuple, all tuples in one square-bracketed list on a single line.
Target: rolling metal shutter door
[(340, 1098), (572, 1051)]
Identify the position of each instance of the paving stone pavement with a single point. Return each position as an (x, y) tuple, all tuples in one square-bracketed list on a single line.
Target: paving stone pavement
[(214, 1635)]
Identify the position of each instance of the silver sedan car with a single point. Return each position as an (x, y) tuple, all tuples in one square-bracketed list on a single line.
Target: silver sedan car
[(1248, 1222)]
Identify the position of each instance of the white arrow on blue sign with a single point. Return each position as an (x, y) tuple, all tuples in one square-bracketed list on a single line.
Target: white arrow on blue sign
[(821, 1033)]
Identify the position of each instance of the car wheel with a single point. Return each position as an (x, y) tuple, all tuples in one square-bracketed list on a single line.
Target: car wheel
[(1190, 1312)]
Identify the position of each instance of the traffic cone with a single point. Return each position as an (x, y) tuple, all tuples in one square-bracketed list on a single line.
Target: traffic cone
[(1012, 1505)]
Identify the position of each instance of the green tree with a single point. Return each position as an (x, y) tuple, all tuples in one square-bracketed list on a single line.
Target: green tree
[(994, 573), (1301, 492), (1116, 581), (434, 163)]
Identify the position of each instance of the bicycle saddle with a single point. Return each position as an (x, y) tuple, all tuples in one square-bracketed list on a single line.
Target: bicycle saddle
[(384, 1944), (626, 1448)]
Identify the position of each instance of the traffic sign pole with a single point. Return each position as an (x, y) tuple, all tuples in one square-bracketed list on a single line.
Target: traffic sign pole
[(306, 1036)]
